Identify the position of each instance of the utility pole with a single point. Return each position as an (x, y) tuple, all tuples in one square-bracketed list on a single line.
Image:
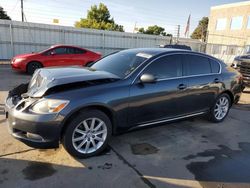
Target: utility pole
[(22, 11), (178, 34), (135, 27)]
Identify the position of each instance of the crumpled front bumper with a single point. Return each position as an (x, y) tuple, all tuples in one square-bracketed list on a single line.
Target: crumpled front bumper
[(35, 130)]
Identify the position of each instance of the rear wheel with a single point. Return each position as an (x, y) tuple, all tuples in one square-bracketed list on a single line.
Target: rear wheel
[(32, 66), (220, 108), (87, 134)]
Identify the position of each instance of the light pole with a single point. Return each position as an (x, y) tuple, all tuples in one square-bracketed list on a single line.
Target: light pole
[(22, 11)]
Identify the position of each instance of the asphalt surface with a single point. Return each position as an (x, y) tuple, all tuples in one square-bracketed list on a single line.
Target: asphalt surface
[(189, 153)]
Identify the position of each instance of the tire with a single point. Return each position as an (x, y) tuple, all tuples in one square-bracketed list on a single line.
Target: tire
[(220, 107), (32, 66), (84, 139)]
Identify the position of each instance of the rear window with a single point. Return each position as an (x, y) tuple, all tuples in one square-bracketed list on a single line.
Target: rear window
[(196, 65)]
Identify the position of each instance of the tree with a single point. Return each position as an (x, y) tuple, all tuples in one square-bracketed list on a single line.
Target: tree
[(99, 18), (201, 30), (3, 14), (153, 30)]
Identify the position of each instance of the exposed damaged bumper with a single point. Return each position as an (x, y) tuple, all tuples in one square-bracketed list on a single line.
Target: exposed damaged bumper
[(35, 130)]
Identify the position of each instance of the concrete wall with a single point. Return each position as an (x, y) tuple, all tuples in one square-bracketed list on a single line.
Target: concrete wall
[(18, 37)]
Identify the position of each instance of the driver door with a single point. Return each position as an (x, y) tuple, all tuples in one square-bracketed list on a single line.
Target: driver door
[(161, 99), (56, 57)]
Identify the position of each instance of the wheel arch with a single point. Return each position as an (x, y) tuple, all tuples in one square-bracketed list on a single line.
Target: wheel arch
[(230, 94), (76, 112)]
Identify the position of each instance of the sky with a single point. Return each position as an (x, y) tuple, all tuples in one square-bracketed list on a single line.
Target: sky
[(129, 13)]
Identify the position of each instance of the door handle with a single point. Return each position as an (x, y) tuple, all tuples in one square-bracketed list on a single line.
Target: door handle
[(182, 86), (216, 80)]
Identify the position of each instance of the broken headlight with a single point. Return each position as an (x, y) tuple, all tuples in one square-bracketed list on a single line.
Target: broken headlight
[(46, 106)]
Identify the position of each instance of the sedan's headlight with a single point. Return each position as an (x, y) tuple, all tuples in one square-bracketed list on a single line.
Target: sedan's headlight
[(235, 64), (46, 106), (17, 60)]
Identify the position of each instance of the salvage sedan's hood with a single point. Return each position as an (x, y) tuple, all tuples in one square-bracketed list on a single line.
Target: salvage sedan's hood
[(47, 78)]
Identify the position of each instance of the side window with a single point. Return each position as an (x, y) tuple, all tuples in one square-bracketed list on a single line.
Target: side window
[(214, 66), (196, 65), (79, 51), (166, 67), (70, 50), (60, 51), (74, 51)]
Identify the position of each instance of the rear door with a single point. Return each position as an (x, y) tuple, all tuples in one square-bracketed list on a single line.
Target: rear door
[(77, 56), (204, 81)]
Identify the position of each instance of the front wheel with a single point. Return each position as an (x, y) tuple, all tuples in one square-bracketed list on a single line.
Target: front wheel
[(32, 66), (87, 134), (220, 108)]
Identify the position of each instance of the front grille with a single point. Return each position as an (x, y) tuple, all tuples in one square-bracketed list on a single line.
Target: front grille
[(245, 69)]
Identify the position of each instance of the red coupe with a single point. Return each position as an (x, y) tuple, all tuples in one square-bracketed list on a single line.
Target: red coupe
[(59, 55)]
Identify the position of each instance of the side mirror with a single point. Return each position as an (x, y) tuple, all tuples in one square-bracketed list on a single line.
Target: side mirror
[(52, 53), (147, 78)]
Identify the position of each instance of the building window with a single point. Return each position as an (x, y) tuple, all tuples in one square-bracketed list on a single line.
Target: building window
[(236, 22), (221, 24), (248, 23)]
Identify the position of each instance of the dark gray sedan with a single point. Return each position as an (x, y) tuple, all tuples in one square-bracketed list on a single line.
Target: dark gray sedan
[(82, 107)]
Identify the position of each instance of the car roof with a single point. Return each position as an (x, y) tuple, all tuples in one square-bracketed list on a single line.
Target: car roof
[(160, 51), (63, 45), (155, 52), (178, 46), (152, 51)]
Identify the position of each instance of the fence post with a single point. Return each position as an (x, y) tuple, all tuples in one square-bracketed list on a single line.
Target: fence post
[(103, 43), (11, 41), (137, 38), (63, 36)]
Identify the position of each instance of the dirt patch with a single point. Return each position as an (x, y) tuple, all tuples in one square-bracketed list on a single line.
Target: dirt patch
[(105, 166), (49, 152), (143, 149), (38, 170)]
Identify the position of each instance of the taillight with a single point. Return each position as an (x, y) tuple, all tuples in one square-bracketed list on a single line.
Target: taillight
[(239, 78)]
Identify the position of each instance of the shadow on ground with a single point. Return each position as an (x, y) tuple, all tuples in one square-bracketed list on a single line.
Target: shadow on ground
[(226, 166)]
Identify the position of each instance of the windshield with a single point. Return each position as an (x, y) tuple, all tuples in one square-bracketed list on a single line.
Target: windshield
[(121, 63)]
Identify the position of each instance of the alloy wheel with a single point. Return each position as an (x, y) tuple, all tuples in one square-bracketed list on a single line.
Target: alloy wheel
[(89, 135), (221, 108)]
